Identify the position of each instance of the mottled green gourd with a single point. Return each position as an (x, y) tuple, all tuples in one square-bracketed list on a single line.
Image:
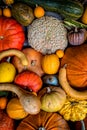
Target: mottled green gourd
[(22, 13)]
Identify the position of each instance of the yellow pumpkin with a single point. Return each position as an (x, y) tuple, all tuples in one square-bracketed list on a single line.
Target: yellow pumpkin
[(50, 63), (15, 110)]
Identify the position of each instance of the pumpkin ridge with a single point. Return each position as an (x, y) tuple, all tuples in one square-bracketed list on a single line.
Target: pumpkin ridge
[(28, 123)]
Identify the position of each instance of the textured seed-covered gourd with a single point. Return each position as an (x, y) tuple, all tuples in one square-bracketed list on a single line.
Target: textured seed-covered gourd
[(47, 34)]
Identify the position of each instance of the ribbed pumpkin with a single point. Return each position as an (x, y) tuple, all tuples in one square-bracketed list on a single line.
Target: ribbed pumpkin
[(43, 121), (11, 34), (15, 110), (50, 63), (6, 123), (75, 59)]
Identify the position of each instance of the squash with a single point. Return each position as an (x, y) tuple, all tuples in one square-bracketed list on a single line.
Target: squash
[(43, 121), (29, 80), (8, 2), (3, 102), (63, 81), (84, 16), (22, 13), (52, 98), (7, 12), (50, 79), (11, 34), (34, 61), (74, 110), (47, 34), (29, 101), (15, 110), (68, 8), (76, 66), (14, 52), (39, 11), (50, 63), (77, 36), (6, 123)]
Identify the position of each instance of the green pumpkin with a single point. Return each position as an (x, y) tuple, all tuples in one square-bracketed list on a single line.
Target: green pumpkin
[(52, 98), (22, 13)]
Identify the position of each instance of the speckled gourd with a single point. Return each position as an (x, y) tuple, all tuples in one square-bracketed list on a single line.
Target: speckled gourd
[(47, 34)]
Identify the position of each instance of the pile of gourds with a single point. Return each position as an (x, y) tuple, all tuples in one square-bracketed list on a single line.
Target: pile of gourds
[(48, 90)]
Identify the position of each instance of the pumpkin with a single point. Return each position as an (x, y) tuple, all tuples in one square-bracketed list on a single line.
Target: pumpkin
[(34, 61), (6, 123), (74, 109), (77, 36), (39, 11), (15, 110), (11, 34), (43, 121), (7, 12), (3, 102), (52, 98), (47, 34), (50, 63), (29, 80), (76, 66), (81, 125)]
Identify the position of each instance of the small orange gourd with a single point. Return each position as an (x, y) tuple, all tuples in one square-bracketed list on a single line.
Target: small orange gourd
[(3, 102), (84, 16), (39, 11), (50, 63), (15, 109), (7, 12), (60, 53)]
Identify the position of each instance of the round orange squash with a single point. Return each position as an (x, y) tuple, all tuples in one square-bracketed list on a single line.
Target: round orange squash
[(11, 34), (50, 63), (75, 59), (43, 121)]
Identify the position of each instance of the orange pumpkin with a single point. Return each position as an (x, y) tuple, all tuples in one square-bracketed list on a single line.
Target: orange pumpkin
[(29, 80), (43, 121), (50, 63), (11, 34), (75, 59), (34, 61), (6, 123)]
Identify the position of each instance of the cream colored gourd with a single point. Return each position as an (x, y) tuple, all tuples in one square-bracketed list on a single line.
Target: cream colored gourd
[(80, 95), (28, 100)]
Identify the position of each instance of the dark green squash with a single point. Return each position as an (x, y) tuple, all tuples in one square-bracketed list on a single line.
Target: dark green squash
[(67, 8)]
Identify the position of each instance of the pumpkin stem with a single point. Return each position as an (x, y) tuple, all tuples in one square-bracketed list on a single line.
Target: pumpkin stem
[(1, 37), (48, 90), (33, 62), (41, 128), (76, 30)]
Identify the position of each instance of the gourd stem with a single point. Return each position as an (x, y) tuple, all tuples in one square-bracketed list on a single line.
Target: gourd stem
[(76, 30)]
